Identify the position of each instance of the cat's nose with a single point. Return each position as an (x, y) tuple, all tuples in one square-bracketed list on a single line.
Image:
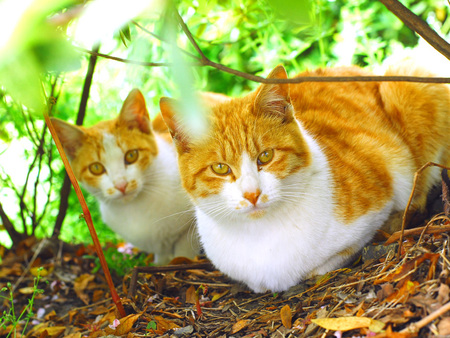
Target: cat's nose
[(121, 186), (252, 197)]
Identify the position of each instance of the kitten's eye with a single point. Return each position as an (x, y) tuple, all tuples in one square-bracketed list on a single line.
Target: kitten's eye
[(265, 157), (131, 156), (221, 168), (96, 168)]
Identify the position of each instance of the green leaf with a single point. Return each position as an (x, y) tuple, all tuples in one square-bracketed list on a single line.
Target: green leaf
[(151, 325), (298, 11)]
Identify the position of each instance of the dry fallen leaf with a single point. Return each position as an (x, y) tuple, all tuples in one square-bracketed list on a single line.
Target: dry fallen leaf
[(239, 325), (349, 323), (215, 295), (190, 295), (125, 326), (444, 326), (401, 295), (80, 285), (286, 316), (47, 331), (443, 294)]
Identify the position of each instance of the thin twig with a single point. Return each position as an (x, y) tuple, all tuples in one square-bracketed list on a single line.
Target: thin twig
[(434, 229), (416, 176), (415, 327), (86, 212), (160, 38), (30, 263), (134, 62)]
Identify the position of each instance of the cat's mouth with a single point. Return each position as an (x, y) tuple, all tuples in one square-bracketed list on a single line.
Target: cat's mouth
[(255, 211)]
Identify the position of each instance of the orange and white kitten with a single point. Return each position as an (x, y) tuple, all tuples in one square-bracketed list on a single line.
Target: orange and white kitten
[(132, 171), (293, 179)]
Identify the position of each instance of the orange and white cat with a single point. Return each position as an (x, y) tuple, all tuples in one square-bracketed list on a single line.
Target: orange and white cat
[(131, 169), (293, 179)]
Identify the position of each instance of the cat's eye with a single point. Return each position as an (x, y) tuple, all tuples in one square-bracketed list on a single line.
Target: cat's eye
[(96, 168), (131, 156), (265, 157), (221, 168)]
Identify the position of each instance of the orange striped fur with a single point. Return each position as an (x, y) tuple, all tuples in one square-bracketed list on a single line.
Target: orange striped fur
[(342, 160)]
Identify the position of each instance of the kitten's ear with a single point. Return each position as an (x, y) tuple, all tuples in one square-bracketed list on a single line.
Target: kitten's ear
[(134, 112), (169, 114), (274, 99), (71, 136)]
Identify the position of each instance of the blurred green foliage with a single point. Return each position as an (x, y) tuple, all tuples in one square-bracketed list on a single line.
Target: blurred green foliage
[(251, 36)]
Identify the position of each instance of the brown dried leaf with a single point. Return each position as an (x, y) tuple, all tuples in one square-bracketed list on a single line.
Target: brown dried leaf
[(239, 325), (443, 294), (46, 331), (125, 326), (164, 324), (216, 295), (80, 285), (349, 323), (401, 295), (286, 316), (406, 268), (444, 326), (191, 297), (386, 290)]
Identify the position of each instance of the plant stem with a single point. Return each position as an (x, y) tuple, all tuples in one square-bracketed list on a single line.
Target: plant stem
[(86, 213)]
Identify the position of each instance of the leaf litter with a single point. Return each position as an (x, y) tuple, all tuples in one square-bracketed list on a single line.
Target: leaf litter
[(378, 296)]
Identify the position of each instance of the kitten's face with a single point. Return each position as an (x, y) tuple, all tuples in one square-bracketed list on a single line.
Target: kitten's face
[(111, 158), (242, 168), (111, 164)]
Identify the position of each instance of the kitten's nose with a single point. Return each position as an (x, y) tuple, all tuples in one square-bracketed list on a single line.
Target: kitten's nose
[(252, 197), (121, 186)]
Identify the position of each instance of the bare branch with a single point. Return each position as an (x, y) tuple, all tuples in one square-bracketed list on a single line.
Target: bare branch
[(15, 236), (65, 189), (40, 155), (134, 62), (160, 38), (186, 31), (204, 61), (419, 26)]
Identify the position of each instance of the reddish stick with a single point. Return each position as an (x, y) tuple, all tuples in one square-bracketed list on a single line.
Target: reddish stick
[(86, 215)]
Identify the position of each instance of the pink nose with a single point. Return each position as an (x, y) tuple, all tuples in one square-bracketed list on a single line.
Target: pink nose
[(252, 197), (122, 186)]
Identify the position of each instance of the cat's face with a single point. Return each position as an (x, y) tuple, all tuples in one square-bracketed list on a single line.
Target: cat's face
[(111, 158), (241, 169)]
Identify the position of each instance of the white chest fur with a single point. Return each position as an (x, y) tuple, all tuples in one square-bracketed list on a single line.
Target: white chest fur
[(297, 237)]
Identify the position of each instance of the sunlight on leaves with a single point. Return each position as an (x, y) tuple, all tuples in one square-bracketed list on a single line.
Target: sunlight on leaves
[(191, 111), (294, 10), (95, 25), (30, 46)]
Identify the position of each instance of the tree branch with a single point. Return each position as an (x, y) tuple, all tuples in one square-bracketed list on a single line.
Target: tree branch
[(204, 61), (417, 25), (133, 62), (15, 236), (207, 62), (66, 186)]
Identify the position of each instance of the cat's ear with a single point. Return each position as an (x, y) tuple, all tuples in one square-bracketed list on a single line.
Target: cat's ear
[(71, 136), (274, 99), (169, 114), (134, 112)]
